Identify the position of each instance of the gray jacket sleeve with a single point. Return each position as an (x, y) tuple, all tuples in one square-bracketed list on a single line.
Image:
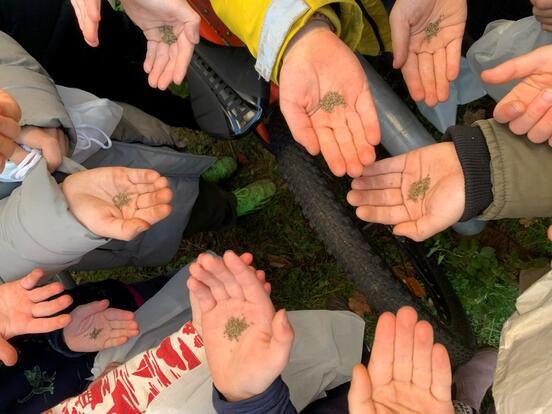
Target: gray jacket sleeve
[(38, 230)]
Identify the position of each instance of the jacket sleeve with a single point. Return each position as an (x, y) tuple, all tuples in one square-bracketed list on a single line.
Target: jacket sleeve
[(38, 230), (275, 400)]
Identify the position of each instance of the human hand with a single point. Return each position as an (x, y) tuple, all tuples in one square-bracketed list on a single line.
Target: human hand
[(247, 344), (427, 41), (420, 192), (528, 106), (171, 28), (316, 64), (53, 143), (118, 202), (94, 327), (407, 372), (542, 10), (10, 114), (25, 309)]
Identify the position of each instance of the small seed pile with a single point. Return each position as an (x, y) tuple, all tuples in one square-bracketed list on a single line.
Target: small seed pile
[(234, 328), (121, 200), (433, 28), (167, 34), (95, 332), (419, 188), (330, 101)]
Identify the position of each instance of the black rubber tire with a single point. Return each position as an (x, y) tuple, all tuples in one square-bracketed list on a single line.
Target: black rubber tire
[(343, 239)]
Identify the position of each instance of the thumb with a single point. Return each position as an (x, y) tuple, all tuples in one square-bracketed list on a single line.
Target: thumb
[(83, 311), (30, 281), (360, 393), (282, 339), (123, 229), (400, 38), (515, 68), (8, 354), (191, 20)]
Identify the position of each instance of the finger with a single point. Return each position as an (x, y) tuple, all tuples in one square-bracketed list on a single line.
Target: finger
[(30, 281), (423, 346), (113, 342), (9, 107), (360, 393), (508, 111), (411, 75), (128, 229), (9, 127), (383, 215), (518, 67), (151, 216), (441, 373), (542, 131), (386, 166), (218, 268), (282, 339), (126, 332), (441, 80), (151, 53), (247, 279), (129, 325), (120, 315), (166, 76), (366, 109), (144, 176), (45, 292), (404, 344), (161, 60), (400, 38), (147, 200), (346, 145), (184, 56), (300, 126), (532, 115), (365, 151), (91, 14), (203, 294), (427, 75), (44, 325), (268, 288), (191, 19), (43, 309), (204, 276), (380, 366), (390, 197), (159, 184), (331, 152), (377, 182), (8, 354), (549, 233), (247, 258), (454, 50)]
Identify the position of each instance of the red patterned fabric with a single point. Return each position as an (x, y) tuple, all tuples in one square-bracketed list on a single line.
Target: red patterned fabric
[(130, 388)]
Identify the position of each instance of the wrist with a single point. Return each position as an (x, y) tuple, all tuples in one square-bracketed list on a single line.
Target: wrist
[(317, 22)]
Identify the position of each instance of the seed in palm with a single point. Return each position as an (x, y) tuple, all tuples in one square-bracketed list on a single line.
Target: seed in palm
[(433, 28), (121, 200), (234, 328), (331, 100), (419, 188), (95, 333), (167, 34)]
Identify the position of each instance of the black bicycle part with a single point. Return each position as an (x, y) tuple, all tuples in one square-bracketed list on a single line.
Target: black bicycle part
[(343, 239), (226, 92)]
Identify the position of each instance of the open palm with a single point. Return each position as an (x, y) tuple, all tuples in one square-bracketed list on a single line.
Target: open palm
[(407, 372), (95, 326), (246, 342), (118, 202), (427, 41), (347, 136), (420, 192)]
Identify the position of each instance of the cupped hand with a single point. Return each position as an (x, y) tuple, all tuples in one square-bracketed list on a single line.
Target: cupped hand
[(118, 202), (407, 372), (53, 143), (96, 326), (427, 41), (316, 64), (171, 28), (528, 106), (25, 309), (542, 10), (10, 114), (247, 344), (420, 192)]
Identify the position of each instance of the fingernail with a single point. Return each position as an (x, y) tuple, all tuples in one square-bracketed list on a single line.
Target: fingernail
[(547, 96)]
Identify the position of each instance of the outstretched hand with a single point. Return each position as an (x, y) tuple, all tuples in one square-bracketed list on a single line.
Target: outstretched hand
[(10, 114), (528, 106), (246, 342), (407, 372), (171, 28), (542, 10), (427, 41), (420, 192), (95, 327), (25, 309), (346, 135), (118, 202)]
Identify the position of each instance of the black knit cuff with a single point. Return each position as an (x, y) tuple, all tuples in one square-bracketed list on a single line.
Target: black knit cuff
[(475, 159)]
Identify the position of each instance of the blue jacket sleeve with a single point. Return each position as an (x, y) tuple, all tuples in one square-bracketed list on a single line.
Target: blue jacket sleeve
[(275, 400)]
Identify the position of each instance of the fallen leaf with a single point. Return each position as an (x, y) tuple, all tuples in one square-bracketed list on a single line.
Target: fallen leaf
[(278, 262), (527, 222), (358, 304)]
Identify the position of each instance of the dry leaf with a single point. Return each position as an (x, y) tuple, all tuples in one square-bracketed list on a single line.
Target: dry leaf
[(278, 262), (527, 222), (358, 304)]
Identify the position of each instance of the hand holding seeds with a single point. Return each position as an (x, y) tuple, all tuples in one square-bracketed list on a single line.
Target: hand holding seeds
[(421, 192), (427, 38), (247, 343)]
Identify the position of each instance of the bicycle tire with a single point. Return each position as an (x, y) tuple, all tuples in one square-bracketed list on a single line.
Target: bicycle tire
[(332, 222)]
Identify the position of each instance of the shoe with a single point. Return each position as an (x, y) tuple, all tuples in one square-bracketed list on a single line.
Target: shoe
[(254, 196), (475, 377), (221, 170)]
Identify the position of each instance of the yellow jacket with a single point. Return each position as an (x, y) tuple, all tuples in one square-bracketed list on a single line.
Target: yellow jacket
[(267, 26)]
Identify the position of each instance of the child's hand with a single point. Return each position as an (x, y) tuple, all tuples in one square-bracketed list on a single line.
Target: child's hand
[(53, 143), (10, 114), (25, 309), (94, 327)]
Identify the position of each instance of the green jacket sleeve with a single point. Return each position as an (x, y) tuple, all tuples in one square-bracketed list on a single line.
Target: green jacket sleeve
[(521, 174)]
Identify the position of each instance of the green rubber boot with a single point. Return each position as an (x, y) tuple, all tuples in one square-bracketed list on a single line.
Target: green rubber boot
[(221, 170), (254, 197)]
